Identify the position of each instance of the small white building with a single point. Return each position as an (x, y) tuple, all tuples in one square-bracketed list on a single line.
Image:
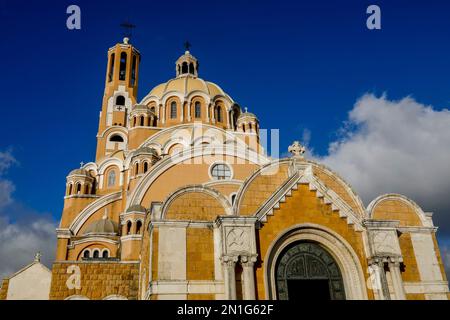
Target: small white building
[(30, 283)]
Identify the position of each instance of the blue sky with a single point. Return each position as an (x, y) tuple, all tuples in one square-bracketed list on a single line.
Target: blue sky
[(299, 65)]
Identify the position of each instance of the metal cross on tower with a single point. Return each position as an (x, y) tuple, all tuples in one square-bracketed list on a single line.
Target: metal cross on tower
[(128, 28), (187, 45)]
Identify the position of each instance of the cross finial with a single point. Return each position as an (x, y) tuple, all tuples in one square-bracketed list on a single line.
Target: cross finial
[(246, 109), (128, 29), (81, 164), (297, 150), (37, 257), (187, 45)]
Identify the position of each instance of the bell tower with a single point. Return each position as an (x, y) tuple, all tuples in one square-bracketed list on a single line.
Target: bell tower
[(121, 85)]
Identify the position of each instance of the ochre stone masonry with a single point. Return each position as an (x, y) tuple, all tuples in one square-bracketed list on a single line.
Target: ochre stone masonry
[(97, 280)]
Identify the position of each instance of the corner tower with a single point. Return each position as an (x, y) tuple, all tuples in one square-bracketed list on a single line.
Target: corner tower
[(121, 85)]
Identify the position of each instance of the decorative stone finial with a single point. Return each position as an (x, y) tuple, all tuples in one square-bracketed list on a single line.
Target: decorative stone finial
[(37, 257), (126, 40), (297, 150), (246, 109)]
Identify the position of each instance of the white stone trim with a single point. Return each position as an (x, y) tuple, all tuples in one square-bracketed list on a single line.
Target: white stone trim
[(90, 209), (196, 188), (426, 220), (186, 287), (92, 239)]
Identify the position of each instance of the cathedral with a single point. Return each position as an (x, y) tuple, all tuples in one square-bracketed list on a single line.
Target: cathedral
[(182, 202)]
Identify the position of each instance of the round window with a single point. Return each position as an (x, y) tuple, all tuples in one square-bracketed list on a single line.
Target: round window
[(221, 171)]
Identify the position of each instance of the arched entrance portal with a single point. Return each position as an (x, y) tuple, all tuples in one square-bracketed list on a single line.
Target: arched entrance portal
[(306, 271)]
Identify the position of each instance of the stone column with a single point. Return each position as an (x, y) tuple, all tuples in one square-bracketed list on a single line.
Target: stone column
[(383, 280), (394, 267), (189, 105), (379, 279), (248, 277), (229, 279)]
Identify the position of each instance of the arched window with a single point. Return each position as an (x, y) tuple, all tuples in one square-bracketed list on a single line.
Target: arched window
[(221, 171), (198, 110), (120, 101), (249, 127), (233, 199), (142, 121), (145, 167), (123, 66), (111, 68), (69, 192), (191, 68), (78, 188), (96, 254), (134, 121), (184, 68), (138, 227), (219, 114), (112, 178), (86, 254), (173, 110), (105, 254), (243, 127), (133, 71), (116, 138), (136, 168), (128, 227)]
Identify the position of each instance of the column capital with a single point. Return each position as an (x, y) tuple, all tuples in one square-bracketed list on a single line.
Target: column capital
[(229, 260), (249, 261)]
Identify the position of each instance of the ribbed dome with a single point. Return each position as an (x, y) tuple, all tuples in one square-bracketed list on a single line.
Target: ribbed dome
[(82, 172), (247, 115), (103, 226), (136, 208), (145, 150), (185, 85)]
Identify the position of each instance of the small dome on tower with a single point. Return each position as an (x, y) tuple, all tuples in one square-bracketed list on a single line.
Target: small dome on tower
[(103, 226), (80, 172), (136, 208), (145, 150)]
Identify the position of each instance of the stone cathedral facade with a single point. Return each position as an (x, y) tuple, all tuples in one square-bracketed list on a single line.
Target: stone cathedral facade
[(182, 202)]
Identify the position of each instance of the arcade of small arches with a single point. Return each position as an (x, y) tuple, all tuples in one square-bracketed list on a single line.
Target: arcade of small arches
[(130, 227), (95, 253)]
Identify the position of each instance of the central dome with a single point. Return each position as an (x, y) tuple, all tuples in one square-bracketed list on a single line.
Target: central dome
[(187, 84)]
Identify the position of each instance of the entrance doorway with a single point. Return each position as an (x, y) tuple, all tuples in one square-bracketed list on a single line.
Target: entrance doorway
[(306, 271)]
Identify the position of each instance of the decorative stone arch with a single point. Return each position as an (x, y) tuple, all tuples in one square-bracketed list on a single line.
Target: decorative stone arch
[(268, 167), (398, 197), (196, 188), (171, 143), (90, 209), (77, 297), (109, 130), (165, 164), (115, 297), (341, 251), (189, 127), (347, 187)]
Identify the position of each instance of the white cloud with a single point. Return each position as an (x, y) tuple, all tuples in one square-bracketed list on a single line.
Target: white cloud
[(19, 241), (396, 147), (29, 233)]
